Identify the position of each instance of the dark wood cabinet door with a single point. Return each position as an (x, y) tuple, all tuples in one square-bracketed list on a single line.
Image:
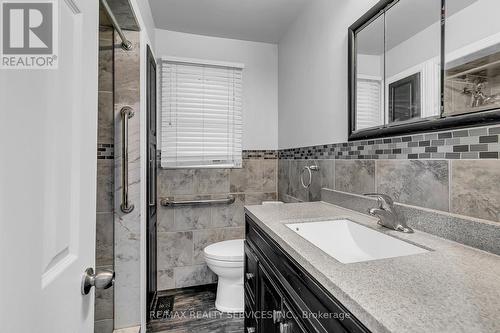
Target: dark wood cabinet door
[(269, 304), (251, 274), (290, 322), (284, 292)]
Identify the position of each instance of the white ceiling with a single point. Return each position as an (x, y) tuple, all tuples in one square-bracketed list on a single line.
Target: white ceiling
[(253, 20)]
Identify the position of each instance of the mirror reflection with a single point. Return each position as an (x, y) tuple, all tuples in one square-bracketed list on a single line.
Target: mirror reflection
[(412, 56), (398, 57), (370, 75), (398, 65), (472, 70)]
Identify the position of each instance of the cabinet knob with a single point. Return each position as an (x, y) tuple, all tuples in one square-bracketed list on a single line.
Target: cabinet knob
[(285, 328), (277, 316), (249, 276)]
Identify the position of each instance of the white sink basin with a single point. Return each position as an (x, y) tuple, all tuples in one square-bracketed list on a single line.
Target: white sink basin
[(350, 242)]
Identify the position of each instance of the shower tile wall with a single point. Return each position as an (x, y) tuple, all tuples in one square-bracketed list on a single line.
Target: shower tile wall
[(103, 313), (127, 312), (184, 232), (464, 184)]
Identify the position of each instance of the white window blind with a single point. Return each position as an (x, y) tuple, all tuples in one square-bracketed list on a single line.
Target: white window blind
[(201, 123), (368, 103)]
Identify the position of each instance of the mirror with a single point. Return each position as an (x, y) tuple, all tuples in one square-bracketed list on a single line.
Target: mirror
[(472, 70), (412, 57), (370, 75), (396, 54)]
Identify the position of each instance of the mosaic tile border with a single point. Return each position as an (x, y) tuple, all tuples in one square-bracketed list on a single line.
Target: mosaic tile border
[(260, 154), (474, 143), (105, 151), (246, 155)]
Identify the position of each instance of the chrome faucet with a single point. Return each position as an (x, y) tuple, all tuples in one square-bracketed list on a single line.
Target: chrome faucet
[(386, 213)]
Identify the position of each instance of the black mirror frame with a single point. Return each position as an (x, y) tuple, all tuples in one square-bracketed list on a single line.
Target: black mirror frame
[(433, 124)]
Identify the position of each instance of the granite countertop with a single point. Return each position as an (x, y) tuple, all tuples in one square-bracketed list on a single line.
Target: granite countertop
[(452, 288)]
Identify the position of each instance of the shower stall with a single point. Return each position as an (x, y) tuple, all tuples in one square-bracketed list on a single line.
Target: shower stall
[(118, 167)]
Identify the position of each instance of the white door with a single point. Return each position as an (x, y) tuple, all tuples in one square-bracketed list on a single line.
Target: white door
[(48, 121)]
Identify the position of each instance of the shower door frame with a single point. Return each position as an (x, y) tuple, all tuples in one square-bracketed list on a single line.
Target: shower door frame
[(151, 193)]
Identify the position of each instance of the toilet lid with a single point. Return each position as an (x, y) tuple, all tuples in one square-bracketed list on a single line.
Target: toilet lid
[(231, 250)]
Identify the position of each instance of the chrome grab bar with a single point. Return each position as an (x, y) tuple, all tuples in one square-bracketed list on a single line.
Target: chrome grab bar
[(169, 202), (126, 113)]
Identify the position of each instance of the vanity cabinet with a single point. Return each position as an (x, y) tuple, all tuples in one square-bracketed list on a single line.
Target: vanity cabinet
[(281, 297)]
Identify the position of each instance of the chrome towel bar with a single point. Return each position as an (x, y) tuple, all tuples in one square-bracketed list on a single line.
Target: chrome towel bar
[(169, 202), (126, 113)]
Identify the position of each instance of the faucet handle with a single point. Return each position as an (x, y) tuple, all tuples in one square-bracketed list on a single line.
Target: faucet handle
[(384, 200)]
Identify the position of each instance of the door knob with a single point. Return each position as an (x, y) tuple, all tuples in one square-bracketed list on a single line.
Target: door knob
[(102, 280)]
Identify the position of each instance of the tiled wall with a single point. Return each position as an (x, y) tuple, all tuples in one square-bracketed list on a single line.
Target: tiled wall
[(103, 314), (184, 232), (127, 286), (459, 179)]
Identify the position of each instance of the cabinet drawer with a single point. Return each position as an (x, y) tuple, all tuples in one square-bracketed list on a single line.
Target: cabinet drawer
[(251, 271)]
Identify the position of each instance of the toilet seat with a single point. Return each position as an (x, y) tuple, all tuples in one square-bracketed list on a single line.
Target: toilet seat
[(231, 250)]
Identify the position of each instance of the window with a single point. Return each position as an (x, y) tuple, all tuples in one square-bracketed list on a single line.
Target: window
[(201, 110), (369, 103)]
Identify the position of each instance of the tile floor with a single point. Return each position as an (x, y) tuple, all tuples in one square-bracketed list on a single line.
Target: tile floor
[(194, 312)]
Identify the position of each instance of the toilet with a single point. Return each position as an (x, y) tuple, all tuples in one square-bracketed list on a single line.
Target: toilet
[(226, 260)]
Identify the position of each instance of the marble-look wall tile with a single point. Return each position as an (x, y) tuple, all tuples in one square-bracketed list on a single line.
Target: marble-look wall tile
[(104, 239), (269, 175), (127, 231), (203, 238), (103, 300), (174, 249), (257, 198), (175, 182), (165, 219), (105, 184), (355, 176), (475, 188), (327, 173), (105, 59), (253, 173), (165, 279), (106, 120), (283, 177), (238, 178), (255, 182), (421, 183), (211, 181), (128, 79), (288, 199), (295, 187), (229, 215), (323, 178), (193, 275), (191, 218), (103, 326)]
